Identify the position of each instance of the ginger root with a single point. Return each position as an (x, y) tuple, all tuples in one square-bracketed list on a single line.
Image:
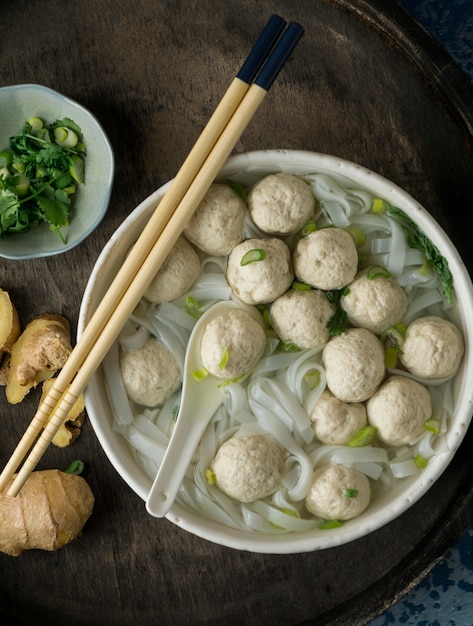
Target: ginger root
[(48, 513), (9, 332), (40, 351), (70, 430)]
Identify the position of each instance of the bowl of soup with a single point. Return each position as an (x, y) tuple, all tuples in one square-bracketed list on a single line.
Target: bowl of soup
[(363, 304)]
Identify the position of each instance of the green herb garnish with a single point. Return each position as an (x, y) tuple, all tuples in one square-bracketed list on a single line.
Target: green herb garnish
[(223, 358), (252, 256), (377, 271), (338, 322), (351, 493), (328, 524), (40, 171), (363, 437), (76, 467), (417, 239)]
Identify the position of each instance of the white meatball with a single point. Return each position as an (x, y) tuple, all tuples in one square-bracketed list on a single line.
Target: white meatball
[(354, 365), (374, 303), (432, 348), (281, 204), (218, 223), (301, 317), (399, 409), (176, 275), (338, 492), (150, 374), (326, 258), (264, 280), (337, 422), (232, 344), (249, 467)]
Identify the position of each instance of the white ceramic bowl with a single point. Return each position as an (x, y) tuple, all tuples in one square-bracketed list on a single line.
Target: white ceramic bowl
[(18, 103), (247, 167)]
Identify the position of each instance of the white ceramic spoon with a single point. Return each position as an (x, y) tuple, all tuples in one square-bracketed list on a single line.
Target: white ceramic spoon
[(199, 401)]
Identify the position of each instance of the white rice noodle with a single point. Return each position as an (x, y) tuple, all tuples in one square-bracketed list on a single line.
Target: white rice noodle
[(173, 313), (403, 469), (144, 443), (419, 306), (397, 250), (132, 338), (117, 395), (274, 426), (275, 396), (279, 518)]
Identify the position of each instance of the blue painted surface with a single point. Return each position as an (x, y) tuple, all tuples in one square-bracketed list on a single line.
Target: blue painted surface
[(445, 596)]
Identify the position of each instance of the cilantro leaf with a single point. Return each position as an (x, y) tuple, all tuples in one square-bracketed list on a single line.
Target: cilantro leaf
[(417, 239), (40, 177)]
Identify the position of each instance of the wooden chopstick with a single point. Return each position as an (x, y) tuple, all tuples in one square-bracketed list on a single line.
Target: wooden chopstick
[(159, 237)]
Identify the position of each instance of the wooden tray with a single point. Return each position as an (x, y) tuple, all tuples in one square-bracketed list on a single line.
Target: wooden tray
[(367, 84)]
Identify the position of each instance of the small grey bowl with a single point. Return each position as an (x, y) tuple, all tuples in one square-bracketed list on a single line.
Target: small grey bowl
[(18, 103)]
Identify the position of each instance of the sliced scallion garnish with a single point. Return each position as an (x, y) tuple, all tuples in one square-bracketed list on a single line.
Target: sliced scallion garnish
[(193, 307), (420, 461), (224, 358), (377, 271), (200, 374), (331, 523), (297, 285), (351, 493), (363, 437), (312, 378), (252, 256), (433, 425)]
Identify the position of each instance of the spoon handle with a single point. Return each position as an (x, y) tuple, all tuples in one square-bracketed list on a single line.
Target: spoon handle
[(185, 437)]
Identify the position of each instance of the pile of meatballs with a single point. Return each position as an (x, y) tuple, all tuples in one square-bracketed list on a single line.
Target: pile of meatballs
[(262, 270)]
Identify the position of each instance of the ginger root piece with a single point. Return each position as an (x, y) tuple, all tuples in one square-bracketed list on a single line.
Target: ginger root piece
[(40, 351), (9, 332), (48, 513), (9, 322), (70, 430)]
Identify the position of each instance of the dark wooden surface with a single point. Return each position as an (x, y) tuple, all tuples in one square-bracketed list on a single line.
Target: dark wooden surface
[(366, 84)]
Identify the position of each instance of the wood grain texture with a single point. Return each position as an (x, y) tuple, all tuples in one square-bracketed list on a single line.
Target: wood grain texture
[(365, 83)]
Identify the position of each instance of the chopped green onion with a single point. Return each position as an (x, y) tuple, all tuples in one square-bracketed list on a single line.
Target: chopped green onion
[(358, 235), (77, 169), (210, 476), (432, 425), (175, 412), (76, 467), (297, 285), (377, 271), (351, 493), (390, 358), (363, 437), (65, 137), (331, 523), (257, 254), (312, 378), (308, 228), (420, 461), (379, 205), (224, 358), (36, 123), (6, 158), (263, 309), (193, 307), (238, 188), (200, 374), (291, 512), (289, 347)]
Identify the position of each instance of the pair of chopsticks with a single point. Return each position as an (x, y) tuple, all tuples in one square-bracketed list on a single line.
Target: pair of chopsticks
[(213, 147)]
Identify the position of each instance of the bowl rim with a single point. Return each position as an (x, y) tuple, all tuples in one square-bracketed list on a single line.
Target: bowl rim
[(59, 248), (292, 160)]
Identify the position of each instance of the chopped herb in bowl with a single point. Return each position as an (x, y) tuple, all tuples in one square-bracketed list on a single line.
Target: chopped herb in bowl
[(39, 173)]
